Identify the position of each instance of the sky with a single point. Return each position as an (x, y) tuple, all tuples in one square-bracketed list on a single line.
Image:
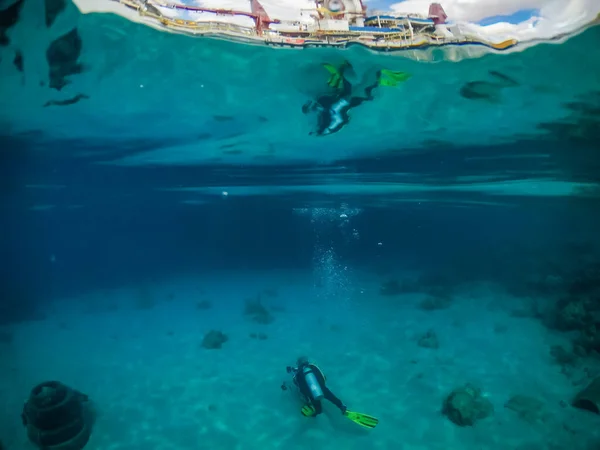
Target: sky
[(478, 11), (522, 19), (489, 12)]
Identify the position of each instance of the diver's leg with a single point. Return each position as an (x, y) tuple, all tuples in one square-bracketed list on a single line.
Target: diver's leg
[(369, 89), (356, 101), (333, 399), (318, 407), (346, 89)]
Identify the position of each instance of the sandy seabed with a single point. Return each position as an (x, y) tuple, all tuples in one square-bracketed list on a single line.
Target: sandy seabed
[(136, 351)]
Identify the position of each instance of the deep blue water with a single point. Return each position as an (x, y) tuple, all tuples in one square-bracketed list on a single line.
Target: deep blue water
[(126, 230)]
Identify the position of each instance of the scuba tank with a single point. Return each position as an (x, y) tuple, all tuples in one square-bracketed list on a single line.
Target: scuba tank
[(311, 381)]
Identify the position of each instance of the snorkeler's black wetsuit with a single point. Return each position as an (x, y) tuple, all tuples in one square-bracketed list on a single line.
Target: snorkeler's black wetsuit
[(300, 381), (333, 109)]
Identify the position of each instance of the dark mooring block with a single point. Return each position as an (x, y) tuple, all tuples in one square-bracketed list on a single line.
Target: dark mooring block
[(57, 417)]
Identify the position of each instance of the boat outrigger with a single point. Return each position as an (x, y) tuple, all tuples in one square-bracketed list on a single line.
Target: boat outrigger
[(332, 23)]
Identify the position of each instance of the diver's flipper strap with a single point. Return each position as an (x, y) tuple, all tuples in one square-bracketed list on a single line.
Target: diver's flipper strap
[(364, 420)]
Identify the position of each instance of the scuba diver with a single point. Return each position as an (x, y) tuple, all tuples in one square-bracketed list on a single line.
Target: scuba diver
[(333, 109), (310, 382)]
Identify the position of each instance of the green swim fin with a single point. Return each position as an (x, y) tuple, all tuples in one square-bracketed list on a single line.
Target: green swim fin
[(364, 420), (391, 77), (308, 410), (336, 80)]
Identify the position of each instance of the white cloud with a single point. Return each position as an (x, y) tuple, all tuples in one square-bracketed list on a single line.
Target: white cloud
[(471, 10), (555, 16)]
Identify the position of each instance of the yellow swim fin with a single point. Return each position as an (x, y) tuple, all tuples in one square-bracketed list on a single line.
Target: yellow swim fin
[(364, 420)]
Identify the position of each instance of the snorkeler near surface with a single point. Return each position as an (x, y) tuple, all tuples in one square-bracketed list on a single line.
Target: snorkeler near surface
[(310, 383), (333, 109)]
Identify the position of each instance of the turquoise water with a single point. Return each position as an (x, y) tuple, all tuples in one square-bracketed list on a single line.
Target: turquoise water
[(158, 98), (168, 185)]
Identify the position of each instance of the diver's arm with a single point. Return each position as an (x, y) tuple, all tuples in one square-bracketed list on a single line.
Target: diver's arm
[(294, 371), (290, 369)]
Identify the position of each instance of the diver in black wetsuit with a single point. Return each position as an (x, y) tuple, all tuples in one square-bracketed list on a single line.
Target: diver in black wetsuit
[(310, 382), (333, 109)]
